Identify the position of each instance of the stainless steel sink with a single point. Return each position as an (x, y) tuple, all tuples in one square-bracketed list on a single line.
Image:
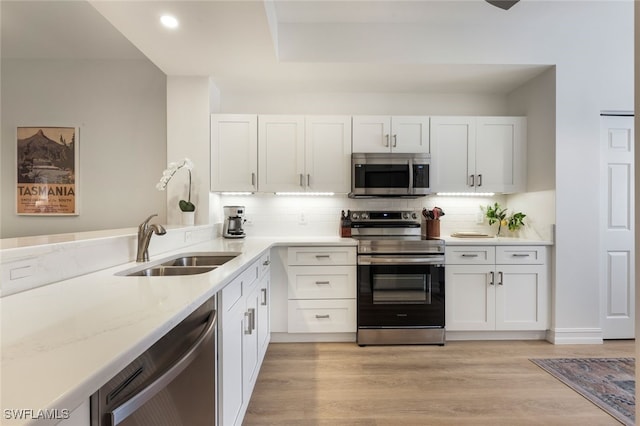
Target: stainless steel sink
[(162, 271), (199, 260), (182, 264)]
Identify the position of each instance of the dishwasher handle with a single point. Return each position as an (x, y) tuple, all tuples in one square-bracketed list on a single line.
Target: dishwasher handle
[(124, 410)]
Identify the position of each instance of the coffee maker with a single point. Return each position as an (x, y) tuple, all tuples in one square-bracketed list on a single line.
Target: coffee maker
[(234, 218)]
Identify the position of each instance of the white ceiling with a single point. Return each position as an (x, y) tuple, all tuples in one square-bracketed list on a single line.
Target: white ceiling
[(237, 42)]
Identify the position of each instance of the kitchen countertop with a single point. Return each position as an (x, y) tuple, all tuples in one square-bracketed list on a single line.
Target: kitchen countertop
[(62, 341), (498, 241)]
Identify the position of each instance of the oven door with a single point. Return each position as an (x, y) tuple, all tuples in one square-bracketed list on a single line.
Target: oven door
[(400, 291)]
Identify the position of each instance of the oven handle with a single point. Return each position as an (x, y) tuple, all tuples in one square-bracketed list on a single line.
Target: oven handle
[(118, 414), (401, 260)]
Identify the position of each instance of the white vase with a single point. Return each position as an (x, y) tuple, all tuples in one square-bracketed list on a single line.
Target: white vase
[(188, 218)]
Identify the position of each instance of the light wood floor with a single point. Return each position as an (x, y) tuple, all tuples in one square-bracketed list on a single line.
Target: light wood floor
[(462, 383)]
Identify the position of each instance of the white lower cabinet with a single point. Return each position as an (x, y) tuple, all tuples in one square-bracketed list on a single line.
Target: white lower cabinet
[(508, 295), (243, 330), (321, 289)]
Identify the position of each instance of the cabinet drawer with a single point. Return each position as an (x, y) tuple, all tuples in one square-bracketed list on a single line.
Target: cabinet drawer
[(521, 255), (321, 282), (241, 285), (321, 256), (470, 255), (322, 316)]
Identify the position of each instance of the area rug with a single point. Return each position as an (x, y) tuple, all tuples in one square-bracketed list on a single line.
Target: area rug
[(607, 382)]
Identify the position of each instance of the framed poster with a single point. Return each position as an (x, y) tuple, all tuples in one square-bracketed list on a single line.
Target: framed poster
[(47, 166)]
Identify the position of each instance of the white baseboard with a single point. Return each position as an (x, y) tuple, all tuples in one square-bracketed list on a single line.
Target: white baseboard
[(575, 336), (451, 336), (312, 337)]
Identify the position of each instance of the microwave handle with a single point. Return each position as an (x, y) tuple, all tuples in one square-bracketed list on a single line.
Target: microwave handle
[(411, 189)]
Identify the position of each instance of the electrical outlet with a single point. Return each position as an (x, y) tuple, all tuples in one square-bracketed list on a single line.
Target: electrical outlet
[(479, 218), (302, 220)]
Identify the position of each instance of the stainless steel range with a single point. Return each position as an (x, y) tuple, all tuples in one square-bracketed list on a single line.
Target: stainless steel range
[(400, 280)]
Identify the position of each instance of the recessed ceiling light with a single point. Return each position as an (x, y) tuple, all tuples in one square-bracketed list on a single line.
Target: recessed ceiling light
[(169, 21)]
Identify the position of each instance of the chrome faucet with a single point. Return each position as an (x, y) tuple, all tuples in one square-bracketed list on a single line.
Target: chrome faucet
[(145, 231)]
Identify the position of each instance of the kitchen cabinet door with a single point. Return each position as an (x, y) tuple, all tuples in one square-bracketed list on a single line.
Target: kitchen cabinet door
[(234, 152), (410, 134), (263, 320), (381, 133), (231, 360), (521, 297), (250, 342), (328, 153), (470, 297), (453, 153), (500, 164), (281, 153), (371, 133)]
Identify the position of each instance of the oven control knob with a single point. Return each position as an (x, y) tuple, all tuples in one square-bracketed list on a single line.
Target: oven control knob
[(355, 216), (405, 215), (414, 216), (365, 216)]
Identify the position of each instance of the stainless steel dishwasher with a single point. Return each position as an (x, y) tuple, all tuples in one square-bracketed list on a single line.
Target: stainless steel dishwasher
[(173, 383)]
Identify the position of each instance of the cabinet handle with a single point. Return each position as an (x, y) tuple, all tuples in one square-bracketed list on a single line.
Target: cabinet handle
[(323, 282), (252, 311), (253, 179), (520, 255), (308, 180), (301, 180), (479, 180), (386, 137), (492, 277), (266, 263), (247, 323), (263, 302), (469, 255), (395, 140), (323, 256), (499, 278), (472, 180), (322, 316)]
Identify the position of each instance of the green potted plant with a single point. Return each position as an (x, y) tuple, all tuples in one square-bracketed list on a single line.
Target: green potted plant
[(496, 213), (186, 206)]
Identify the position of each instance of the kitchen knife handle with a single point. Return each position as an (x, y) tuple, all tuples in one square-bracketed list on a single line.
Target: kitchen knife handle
[(472, 180), (386, 137), (492, 277), (395, 140), (479, 180)]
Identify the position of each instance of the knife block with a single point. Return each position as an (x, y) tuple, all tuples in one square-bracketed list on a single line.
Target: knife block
[(430, 228)]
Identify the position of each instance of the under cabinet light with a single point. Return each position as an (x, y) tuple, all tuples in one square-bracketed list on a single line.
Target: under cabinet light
[(306, 193), (466, 194), (236, 193)]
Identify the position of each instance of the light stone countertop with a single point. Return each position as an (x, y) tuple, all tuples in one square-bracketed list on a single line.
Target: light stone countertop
[(497, 241), (62, 341)]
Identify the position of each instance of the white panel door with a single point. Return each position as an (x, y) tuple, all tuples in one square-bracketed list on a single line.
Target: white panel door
[(410, 134), (234, 152), (470, 301), (452, 153), (500, 150), (371, 133), (617, 217), (328, 153), (281, 153)]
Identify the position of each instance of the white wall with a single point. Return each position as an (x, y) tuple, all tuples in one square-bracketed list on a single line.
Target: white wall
[(120, 108)]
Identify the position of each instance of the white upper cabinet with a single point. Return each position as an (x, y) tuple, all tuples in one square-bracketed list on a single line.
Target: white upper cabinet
[(328, 153), (298, 153), (382, 133), (234, 152), (281, 153), (478, 154)]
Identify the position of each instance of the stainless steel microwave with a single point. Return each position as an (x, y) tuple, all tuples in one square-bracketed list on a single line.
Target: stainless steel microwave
[(390, 175)]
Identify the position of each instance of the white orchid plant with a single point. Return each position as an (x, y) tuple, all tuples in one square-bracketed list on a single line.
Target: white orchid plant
[(172, 168)]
